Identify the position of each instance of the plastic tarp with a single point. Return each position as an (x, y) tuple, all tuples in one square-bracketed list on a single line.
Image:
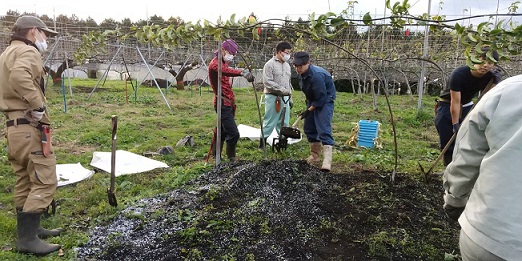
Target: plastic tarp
[(71, 173), (252, 133), (126, 162)]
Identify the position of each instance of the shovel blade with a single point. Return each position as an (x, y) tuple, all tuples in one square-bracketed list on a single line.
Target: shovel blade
[(112, 198), (291, 132)]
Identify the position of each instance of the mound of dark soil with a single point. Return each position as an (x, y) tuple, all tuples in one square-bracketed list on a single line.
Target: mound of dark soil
[(282, 210)]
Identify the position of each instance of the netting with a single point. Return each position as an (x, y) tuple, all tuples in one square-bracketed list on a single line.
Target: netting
[(355, 56)]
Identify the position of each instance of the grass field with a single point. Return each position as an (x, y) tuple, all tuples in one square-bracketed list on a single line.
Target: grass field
[(145, 124)]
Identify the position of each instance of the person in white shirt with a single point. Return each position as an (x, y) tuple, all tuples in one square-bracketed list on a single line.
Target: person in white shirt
[(278, 91)]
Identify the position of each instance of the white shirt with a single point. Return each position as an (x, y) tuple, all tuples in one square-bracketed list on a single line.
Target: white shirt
[(276, 77)]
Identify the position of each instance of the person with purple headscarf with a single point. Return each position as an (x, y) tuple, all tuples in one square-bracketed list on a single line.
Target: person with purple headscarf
[(229, 131)]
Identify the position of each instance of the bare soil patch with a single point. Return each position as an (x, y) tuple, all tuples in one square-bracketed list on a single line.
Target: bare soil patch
[(282, 210)]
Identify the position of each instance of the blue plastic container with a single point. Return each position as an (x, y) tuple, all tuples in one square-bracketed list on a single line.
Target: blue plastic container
[(368, 132)]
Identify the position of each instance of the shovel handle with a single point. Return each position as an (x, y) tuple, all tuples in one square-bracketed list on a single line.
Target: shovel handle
[(296, 121), (113, 150), (110, 191), (442, 152), (114, 126)]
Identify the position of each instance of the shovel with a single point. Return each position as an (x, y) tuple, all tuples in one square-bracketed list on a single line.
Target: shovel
[(285, 133), (442, 152), (110, 190), (292, 131)]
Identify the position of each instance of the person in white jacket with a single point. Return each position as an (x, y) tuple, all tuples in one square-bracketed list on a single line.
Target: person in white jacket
[(278, 91), (483, 183)]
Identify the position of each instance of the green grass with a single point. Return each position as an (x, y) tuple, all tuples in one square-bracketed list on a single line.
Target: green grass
[(145, 124)]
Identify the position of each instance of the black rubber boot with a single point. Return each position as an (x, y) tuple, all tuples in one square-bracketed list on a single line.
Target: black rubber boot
[(28, 241), (45, 233), (231, 152)]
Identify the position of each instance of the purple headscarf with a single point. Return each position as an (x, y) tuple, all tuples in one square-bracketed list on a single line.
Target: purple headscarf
[(230, 46)]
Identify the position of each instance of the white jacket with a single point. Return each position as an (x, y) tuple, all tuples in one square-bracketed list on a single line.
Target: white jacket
[(276, 77), (486, 172)]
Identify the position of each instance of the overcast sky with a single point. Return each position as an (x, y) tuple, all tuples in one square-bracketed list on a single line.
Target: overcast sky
[(193, 10)]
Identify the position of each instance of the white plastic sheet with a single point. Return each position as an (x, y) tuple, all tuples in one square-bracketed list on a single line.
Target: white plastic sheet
[(126, 162), (252, 133), (71, 173)]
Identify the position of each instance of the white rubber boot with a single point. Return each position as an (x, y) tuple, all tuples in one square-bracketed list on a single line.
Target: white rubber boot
[(327, 160), (315, 152)]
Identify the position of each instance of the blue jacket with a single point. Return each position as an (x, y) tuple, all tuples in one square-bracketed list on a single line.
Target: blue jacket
[(318, 86)]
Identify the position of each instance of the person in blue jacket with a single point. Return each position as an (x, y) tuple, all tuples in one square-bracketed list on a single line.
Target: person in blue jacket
[(318, 86)]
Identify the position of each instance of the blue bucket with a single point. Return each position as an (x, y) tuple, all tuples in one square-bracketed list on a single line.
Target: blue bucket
[(368, 132)]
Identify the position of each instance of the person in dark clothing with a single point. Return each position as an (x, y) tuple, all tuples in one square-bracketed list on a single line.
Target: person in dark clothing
[(229, 133), (456, 100), (318, 86)]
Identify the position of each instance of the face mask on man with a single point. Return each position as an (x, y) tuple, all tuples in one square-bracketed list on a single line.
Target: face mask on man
[(41, 44), (228, 57), (285, 57)]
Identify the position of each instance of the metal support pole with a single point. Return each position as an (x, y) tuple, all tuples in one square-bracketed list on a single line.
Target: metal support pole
[(154, 78), (106, 71), (155, 62), (420, 90), (68, 73), (218, 106), (49, 56)]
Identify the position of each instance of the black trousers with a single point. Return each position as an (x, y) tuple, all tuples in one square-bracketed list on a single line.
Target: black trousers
[(445, 127), (229, 131)]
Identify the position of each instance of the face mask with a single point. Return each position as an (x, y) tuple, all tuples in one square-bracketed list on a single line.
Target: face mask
[(285, 57), (228, 57), (41, 45)]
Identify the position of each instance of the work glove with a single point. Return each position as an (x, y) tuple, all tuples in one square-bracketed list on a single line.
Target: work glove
[(305, 114), (291, 102), (453, 212), (456, 127), (34, 115), (37, 115), (248, 75)]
